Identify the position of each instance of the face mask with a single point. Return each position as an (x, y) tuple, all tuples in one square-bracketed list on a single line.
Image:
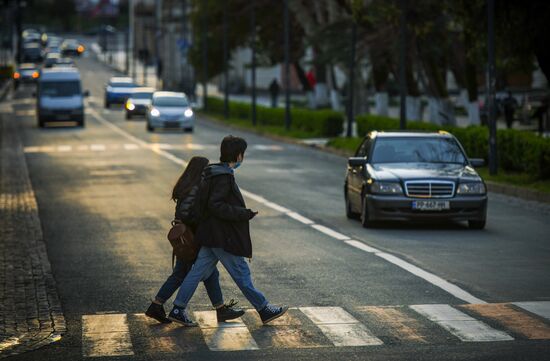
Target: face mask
[(237, 165)]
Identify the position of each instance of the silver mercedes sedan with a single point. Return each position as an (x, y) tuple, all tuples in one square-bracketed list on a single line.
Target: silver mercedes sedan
[(170, 110)]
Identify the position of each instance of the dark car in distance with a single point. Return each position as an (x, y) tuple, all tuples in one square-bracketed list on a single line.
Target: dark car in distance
[(414, 176)]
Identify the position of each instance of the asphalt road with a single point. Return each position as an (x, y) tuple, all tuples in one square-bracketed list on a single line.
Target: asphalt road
[(103, 195)]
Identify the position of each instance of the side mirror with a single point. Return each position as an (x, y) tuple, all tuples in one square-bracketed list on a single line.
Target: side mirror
[(86, 93), (477, 162), (357, 161)]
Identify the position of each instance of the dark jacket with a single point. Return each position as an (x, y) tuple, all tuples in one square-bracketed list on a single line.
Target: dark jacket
[(185, 210), (224, 223)]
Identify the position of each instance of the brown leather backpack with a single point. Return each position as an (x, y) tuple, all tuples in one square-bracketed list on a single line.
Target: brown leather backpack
[(183, 244)]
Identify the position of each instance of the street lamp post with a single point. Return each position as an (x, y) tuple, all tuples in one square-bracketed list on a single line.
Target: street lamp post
[(288, 119), (253, 60), (349, 131), (225, 61), (204, 45), (493, 166), (402, 71), (131, 39)]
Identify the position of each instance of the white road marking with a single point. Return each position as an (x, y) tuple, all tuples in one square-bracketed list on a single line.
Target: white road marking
[(82, 148), (429, 277), (131, 146), (539, 308), (111, 173), (97, 147), (341, 328), (64, 148), (461, 325), (276, 207), (361, 246), (300, 218), (106, 335), (276, 148), (329, 232), (225, 336)]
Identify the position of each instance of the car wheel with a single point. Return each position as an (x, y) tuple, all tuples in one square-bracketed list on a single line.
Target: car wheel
[(188, 130), (107, 104), (349, 213), (476, 224), (365, 217), (128, 115), (150, 128), (41, 122)]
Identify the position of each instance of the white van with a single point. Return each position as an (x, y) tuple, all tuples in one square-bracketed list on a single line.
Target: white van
[(60, 96)]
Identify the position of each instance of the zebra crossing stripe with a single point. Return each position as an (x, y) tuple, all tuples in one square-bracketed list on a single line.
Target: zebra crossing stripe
[(540, 308), (106, 335), (341, 328), (461, 325), (396, 321), (512, 319), (226, 336)]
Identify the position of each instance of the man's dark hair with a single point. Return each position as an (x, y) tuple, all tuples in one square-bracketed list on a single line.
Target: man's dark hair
[(231, 147)]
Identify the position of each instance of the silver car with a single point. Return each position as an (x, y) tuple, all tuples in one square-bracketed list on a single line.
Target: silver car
[(170, 110)]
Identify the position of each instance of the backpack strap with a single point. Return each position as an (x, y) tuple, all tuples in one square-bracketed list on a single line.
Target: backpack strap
[(173, 259)]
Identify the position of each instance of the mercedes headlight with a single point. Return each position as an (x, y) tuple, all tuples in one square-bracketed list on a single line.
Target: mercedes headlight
[(155, 112), (188, 113), (471, 188), (386, 188)]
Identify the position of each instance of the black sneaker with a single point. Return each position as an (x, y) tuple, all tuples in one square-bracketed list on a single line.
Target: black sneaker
[(156, 311), (179, 315), (227, 312), (270, 312)]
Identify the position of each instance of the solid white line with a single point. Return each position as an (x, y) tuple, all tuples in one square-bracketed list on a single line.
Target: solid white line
[(460, 324), (131, 146), (300, 218), (64, 148), (341, 328), (361, 246), (429, 277), (276, 207), (97, 147), (540, 308), (329, 232)]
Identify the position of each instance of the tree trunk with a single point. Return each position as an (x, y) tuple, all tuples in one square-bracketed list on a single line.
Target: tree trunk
[(413, 108), (441, 111), (381, 101)]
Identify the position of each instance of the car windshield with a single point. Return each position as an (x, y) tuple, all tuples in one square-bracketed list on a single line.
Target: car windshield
[(142, 95), (122, 85), (417, 150), (171, 102), (60, 88)]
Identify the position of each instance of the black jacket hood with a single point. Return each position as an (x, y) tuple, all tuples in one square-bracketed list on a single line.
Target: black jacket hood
[(217, 169)]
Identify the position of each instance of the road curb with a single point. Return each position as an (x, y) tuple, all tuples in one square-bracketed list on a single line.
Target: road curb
[(31, 315), (518, 192)]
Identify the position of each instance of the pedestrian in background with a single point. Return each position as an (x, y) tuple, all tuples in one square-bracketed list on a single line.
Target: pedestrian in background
[(184, 194), (274, 89), (224, 235), (509, 104)]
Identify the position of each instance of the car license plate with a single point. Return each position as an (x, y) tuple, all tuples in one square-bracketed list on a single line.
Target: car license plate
[(431, 205), (172, 125), (63, 117)]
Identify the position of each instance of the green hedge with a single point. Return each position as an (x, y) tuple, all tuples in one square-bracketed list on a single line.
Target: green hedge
[(320, 123), (518, 151)]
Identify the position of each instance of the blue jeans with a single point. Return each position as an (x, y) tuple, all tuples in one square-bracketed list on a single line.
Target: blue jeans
[(181, 269), (206, 264)]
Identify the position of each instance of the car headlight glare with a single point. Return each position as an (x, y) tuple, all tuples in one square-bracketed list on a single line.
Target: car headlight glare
[(188, 113), (386, 188), (471, 188), (130, 105), (155, 112)]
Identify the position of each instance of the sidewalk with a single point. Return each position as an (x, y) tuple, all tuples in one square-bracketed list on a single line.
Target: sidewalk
[(30, 310)]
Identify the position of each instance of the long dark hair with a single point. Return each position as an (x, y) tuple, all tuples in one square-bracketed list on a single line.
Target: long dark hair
[(190, 177)]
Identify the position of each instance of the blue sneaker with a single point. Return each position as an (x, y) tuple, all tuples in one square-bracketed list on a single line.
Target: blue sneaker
[(270, 312), (179, 315)]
